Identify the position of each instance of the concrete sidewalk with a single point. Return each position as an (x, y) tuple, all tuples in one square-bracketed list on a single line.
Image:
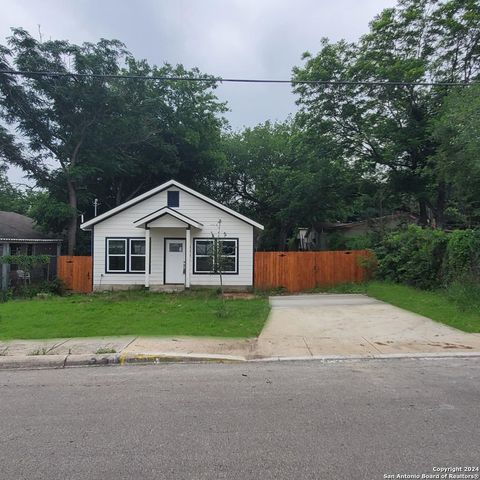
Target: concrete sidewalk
[(126, 349), (299, 327)]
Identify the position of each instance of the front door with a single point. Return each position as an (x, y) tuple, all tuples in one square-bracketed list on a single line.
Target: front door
[(174, 260)]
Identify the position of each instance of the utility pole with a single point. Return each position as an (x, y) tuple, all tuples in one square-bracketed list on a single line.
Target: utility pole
[(95, 206)]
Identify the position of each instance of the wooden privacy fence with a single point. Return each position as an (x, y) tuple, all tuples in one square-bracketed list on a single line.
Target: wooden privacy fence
[(76, 272), (297, 271)]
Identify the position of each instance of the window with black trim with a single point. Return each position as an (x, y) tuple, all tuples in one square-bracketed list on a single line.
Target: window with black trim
[(137, 255), (116, 255), (212, 257), (173, 199), (125, 255)]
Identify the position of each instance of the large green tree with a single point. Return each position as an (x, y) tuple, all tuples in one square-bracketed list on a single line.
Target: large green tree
[(385, 130), (457, 160), (12, 199), (81, 136), (281, 176)]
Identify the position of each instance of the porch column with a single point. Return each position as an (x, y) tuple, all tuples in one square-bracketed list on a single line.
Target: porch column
[(147, 257), (5, 267), (188, 255)]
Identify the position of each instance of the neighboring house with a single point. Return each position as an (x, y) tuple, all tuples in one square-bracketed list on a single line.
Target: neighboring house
[(163, 238), (319, 236), (20, 236)]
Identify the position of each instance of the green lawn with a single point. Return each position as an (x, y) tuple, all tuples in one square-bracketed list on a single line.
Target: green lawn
[(433, 304), (132, 313)]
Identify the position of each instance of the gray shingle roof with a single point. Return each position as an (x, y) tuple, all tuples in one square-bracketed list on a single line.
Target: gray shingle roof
[(16, 226)]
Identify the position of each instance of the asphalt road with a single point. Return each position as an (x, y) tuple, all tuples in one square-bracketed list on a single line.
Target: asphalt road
[(299, 420)]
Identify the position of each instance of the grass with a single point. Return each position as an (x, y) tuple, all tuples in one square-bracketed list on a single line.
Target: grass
[(104, 350), (132, 313), (442, 306)]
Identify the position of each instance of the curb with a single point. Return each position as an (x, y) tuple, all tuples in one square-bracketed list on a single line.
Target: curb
[(29, 362), (54, 361), (175, 358), (381, 356)]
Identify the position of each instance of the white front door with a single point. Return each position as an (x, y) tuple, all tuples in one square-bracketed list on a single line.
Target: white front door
[(174, 260)]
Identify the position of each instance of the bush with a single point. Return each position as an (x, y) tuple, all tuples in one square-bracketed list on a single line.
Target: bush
[(54, 287), (465, 293), (462, 257), (6, 295), (413, 256), (359, 242), (339, 241)]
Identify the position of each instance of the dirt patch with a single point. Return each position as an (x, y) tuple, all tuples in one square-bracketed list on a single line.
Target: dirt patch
[(451, 346), (239, 295)]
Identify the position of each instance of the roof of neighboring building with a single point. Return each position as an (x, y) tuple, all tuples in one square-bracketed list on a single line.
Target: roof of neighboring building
[(398, 216), (16, 227)]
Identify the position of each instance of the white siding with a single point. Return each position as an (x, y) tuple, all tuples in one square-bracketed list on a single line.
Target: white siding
[(121, 225)]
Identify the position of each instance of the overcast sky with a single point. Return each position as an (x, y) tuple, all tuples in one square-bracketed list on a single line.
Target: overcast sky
[(229, 38)]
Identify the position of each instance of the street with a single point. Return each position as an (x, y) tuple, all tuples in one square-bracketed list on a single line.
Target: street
[(279, 420)]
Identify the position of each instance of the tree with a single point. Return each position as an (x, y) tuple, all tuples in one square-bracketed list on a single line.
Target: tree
[(384, 130), (457, 160), (12, 199), (280, 175), (90, 137), (57, 115), (168, 129)]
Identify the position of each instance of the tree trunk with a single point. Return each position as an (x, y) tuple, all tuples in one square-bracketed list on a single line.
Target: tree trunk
[(441, 205), (282, 238), (423, 219), (72, 226)]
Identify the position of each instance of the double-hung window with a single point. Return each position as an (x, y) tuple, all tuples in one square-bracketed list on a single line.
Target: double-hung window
[(116, 255), (125, 255), (214, 256), (137, 255)]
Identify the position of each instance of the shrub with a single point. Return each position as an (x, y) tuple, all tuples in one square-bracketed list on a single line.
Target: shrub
[(55, 287), (6, 295), (413, 256), (359, 242), (465, 293), (339, 241), (462, 257)]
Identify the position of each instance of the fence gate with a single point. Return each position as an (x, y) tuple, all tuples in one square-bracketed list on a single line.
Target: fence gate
[(76, 272), (297, 271)]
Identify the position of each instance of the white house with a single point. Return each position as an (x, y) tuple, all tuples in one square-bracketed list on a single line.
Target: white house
[(162, 239)]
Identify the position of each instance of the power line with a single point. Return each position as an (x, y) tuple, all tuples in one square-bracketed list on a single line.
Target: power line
[(26, 73)]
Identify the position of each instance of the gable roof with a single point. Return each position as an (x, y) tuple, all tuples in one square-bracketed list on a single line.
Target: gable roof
[(166, 211), (16, 227), (171, 183)]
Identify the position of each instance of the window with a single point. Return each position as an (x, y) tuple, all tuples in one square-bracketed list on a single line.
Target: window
[(203, 256), (175, 247), (206, 261), (173, 199), (116, 255), (125, 255), (15, 249), (137, 255)]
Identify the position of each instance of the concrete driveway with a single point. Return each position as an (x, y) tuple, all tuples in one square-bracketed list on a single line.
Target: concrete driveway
[(354, 325)]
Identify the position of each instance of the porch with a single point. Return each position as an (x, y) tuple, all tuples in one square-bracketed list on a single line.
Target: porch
[(167, 249)]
